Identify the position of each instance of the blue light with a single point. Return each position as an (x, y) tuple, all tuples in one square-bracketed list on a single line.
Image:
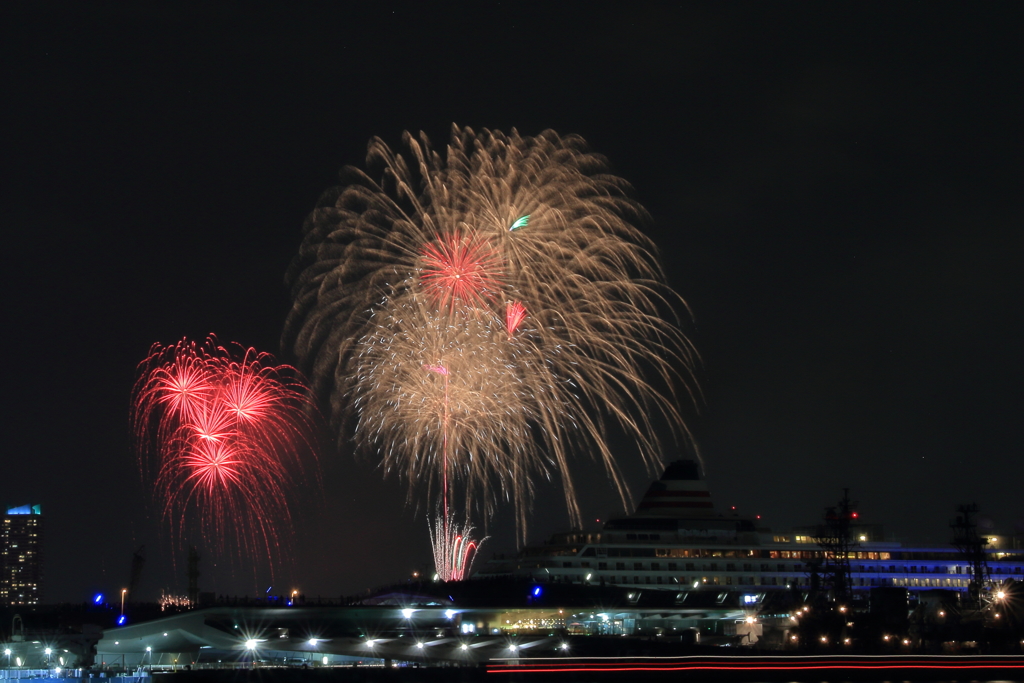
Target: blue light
[(749, 599), (121, 619), (97, 599), (536, 592)]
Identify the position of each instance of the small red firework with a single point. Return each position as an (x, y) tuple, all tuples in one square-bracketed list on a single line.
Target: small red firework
[(212, 465), (226, 433), (459, 269), (515, 312), (184, 386)]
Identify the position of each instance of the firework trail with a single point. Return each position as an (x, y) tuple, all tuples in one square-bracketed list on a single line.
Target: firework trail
[(454, 549), (222, 435), (480, 315)]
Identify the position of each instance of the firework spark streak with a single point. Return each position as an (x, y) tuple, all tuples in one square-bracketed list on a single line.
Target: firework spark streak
[(516, 265), (454, 549), (222, 435)]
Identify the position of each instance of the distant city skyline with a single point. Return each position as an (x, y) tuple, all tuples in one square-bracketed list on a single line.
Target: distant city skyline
[(21, 556)]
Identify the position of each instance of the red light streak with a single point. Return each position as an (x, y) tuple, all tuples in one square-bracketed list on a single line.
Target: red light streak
[(952, 663)]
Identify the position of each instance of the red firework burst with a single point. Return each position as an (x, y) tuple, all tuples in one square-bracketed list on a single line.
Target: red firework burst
[(226, 433), (459, 269), (515, 313), (183, 386), (213, 465)]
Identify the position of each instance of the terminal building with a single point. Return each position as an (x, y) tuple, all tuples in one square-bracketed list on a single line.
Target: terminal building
[(678, 571), (21, 558)]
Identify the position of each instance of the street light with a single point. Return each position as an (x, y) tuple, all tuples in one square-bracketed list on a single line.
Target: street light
[(123, 592)]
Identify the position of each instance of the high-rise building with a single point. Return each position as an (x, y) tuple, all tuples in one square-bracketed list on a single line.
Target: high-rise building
[(21, 556)]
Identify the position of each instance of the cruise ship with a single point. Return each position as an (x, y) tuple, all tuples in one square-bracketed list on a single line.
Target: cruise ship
[(678, 540)]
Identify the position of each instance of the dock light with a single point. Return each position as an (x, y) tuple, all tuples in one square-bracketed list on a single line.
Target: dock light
[(843, 608), (750, 620), (313, 642), (793, 638), (17, 661), (49, 651), (1000, 595), (250, 644), (419, 645), (465, 647), (824, 639), (512, 648), (906, 641), (941, 613), (846, 640), (588, 577), (565, 646), (885, 638), (407, 613), (325, 660), (7, 652), (449, 613), (150, 649)]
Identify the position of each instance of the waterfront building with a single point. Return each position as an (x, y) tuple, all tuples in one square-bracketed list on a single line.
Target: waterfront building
[(677, 540), (21, 558)]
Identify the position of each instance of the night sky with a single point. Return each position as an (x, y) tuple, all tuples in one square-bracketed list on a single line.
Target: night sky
[(836, 192)]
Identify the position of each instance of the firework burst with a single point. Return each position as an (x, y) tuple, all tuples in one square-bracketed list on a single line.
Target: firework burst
[(222, 435), (454, 549), (514, 264)]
